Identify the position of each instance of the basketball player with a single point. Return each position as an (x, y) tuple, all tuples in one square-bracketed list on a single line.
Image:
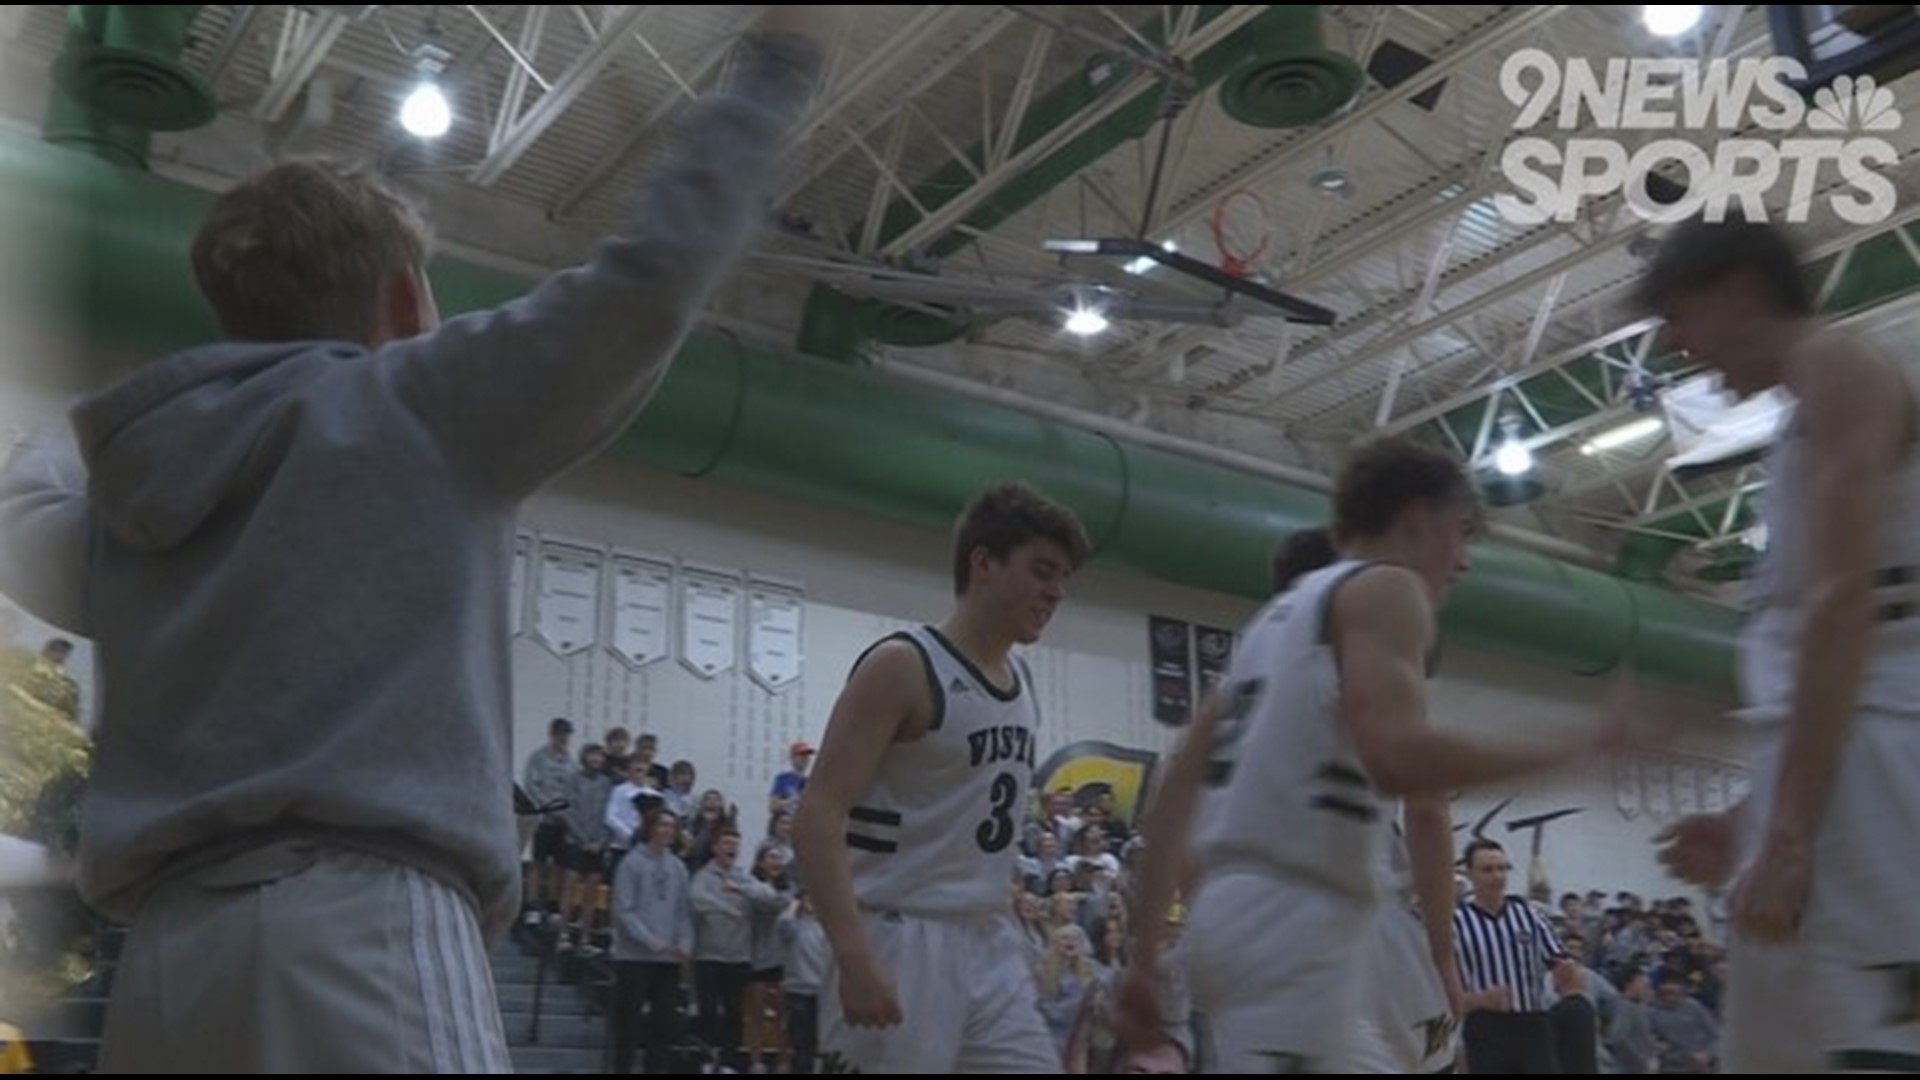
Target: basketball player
[(907, 833), (292, 548), (1320, 719), (1825, 950), (1412, 997)]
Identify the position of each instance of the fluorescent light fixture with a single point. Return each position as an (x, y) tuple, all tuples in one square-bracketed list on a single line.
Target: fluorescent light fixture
[(1630, 432)]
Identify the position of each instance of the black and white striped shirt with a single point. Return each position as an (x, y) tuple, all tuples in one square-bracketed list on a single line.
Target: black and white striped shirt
[(1512, 949)]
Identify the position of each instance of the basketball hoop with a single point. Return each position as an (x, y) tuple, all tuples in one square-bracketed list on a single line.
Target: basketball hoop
[(1242, 228)]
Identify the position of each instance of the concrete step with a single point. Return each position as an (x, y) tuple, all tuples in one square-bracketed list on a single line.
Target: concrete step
[(548, 1059), (556, 999), (562, 1032)]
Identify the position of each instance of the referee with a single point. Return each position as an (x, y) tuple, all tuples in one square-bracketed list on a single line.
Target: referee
[(1505, 951)]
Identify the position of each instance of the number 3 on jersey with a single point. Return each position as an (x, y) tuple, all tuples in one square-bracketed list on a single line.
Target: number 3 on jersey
[(995, 833), (1240, 700)]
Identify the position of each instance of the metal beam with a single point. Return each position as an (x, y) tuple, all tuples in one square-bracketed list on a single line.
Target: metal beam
[(532, 30), (305, 39), (239, 25), (894, 51), (521, 62), (1000, 144), (1501, 34), (606, 167), (958, 208), (528, 128), (1638, 327)]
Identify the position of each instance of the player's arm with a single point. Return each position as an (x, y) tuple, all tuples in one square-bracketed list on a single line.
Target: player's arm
[(1382, 627), (46, 528), (1164, 832), (1430, 849), (1854, 415), (887, 691)]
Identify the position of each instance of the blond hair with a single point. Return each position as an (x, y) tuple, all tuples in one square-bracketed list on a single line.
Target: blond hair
[(300, 252)]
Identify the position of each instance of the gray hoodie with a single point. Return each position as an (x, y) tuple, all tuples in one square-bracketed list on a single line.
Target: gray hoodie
[(806, 953), (652, 919), (294, 557), (586, 809), (725, 903)]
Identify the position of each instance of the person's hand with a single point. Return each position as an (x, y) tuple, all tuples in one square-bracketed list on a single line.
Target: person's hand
[(868, 997), (1698, 849), (1492, 999), (1772, 894)]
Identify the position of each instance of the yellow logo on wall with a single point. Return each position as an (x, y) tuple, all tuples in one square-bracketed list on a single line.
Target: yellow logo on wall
[(1083, 769)]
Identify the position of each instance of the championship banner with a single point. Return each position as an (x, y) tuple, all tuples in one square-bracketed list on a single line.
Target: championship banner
[(1170, 655)]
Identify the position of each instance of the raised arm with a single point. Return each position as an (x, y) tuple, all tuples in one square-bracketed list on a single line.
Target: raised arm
[(517, 394)]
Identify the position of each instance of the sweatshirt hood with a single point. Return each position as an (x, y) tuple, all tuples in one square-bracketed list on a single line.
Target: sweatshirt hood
[(170, 446)]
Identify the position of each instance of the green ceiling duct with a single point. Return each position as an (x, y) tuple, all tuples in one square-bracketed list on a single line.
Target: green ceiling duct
[(1298, 82), (857, 440), (123, 62)]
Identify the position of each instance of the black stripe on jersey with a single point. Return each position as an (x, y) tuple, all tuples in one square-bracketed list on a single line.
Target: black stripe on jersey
[(868, 843), (999, 694), (1335, 773), (867, 815), (1345, 808), (926, 662), (1874, 1061)]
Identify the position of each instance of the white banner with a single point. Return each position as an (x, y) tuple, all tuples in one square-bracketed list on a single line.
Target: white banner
[(1627, 797), (567, 600), (517, 589), (642, 610), (1656, 779), (775, 613), (709, 622)]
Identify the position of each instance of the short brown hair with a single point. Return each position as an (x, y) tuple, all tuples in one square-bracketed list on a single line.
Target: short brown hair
[(1302, 553), (1007, 515), (1386, 477), (300, 252), (1699, 254)]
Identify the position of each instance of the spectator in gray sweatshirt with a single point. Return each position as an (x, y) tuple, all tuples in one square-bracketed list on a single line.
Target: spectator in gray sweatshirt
[(724, 897), (1689, 1036), (290, 548), (764, 1009), (804, 954), (652, 937), (1629, 1037), (584, 858)]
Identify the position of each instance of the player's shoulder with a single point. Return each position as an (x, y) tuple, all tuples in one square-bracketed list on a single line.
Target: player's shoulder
[(1842, 382), (1380, 590)]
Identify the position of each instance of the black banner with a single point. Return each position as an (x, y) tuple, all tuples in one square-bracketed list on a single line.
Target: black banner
[(1170, 645), (1214, 647)]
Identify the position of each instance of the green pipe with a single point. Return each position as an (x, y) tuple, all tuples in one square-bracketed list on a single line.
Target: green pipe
[(855, 439)]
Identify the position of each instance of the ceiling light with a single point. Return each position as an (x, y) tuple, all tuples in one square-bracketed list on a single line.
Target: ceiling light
[(1671, 20), (1630, 432), (1513, 458), (426, 114), (1086, 322)]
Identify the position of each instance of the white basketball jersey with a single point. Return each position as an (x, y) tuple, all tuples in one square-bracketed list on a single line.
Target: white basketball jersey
[(1285, 789), (937, 834), (1770, 646)]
